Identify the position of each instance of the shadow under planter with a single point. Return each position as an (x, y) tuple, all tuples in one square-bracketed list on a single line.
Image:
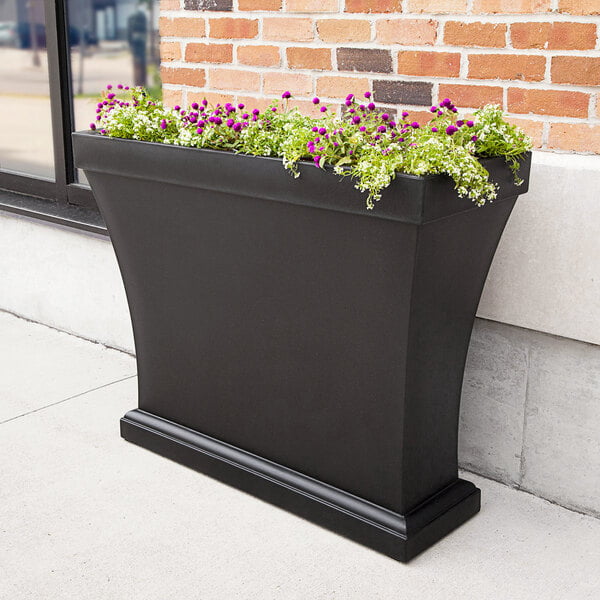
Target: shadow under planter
[(295, 345)]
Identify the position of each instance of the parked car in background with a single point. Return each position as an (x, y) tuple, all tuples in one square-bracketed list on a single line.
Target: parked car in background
[(23, 32), (8, 33)]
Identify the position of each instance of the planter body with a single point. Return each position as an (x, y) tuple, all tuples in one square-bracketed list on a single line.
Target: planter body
[(295, 345)]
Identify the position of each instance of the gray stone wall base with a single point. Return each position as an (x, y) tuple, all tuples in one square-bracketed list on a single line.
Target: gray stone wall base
[(530, 414)]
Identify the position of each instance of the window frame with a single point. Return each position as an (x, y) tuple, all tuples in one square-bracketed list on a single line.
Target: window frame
[(65, 189)]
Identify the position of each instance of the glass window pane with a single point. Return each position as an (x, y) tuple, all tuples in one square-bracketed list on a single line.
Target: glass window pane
[(112, 41), (25, 120)]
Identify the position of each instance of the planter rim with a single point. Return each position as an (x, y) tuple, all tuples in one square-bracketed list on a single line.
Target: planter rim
[(410, 198)]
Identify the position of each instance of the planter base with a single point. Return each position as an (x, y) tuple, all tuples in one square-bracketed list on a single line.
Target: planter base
[(399, 536)]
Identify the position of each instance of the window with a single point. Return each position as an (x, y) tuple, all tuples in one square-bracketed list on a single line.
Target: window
[(55, 58)]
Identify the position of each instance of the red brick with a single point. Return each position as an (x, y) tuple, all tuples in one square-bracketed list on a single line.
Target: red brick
[(312, 6), (210, 53), (561, 103), (471, 96), (576, 137), (193, 77), (407, 31), (344, 30), (258, 5), (521, 67), (554, 36), (172, 97), (534, 129), (296, 83), (259, 56), (232, 79), (429, 64), (212, 97), (579, 7), (485, 35), (181, 27), (373, 6), (170, 51), (578, 70), (511, 6), (170, 5), (251, 102), (288, 30), (309, 58), (437, 6), (365, 60), (231, 28), (331, 86)]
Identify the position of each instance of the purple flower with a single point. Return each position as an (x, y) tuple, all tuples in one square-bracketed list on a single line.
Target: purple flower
[(445, 102), (315, 129), (322, 131), (440, 113), (474, 138), (120, 86), (93, 126), (356, 119), (204, 102), (199, 130), (415, 125), (177, 107), (317, 159), (362, 107), (451, 130), (245, 116), (100, 104), (286, 95), (371, 106), (230, 122), (362, 128), (385, 116), (109, 87), (195, 105), (350, 97), (433, 109), (323, 109), (241, 105), (367, 94), (163, 124), (315, 100), (348, 102), (405, 114), (460, 123), (110, 96), (434, 129), (392, 124), (382, 129), (274, 108), (237, 126), (256, 112), (470, 123)]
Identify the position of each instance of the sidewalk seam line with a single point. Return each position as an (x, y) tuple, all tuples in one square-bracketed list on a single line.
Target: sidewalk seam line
[(69, 398)]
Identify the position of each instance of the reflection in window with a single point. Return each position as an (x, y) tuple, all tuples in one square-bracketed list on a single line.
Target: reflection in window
[(116, 42), (25, 120)]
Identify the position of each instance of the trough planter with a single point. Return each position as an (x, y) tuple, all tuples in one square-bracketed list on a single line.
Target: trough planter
[(295, 345)]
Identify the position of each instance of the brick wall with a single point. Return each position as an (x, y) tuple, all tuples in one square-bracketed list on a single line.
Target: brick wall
[(539, 59)]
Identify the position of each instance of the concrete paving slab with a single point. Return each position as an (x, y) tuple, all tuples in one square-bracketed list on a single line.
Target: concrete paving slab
[(40, 366), (88, 515)]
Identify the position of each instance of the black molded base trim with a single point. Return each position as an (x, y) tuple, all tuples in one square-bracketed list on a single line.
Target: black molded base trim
[(401, 537)]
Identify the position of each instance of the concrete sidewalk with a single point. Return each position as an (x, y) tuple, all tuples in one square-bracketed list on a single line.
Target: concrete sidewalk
[(85, 515)]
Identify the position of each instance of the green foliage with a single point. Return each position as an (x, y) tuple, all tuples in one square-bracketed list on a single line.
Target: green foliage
[(362, 143)]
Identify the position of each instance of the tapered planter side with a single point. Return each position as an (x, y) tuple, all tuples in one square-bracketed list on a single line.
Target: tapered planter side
[(293, 344)]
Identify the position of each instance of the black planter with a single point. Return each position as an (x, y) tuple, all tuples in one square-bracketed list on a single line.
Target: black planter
[(295, 345)]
